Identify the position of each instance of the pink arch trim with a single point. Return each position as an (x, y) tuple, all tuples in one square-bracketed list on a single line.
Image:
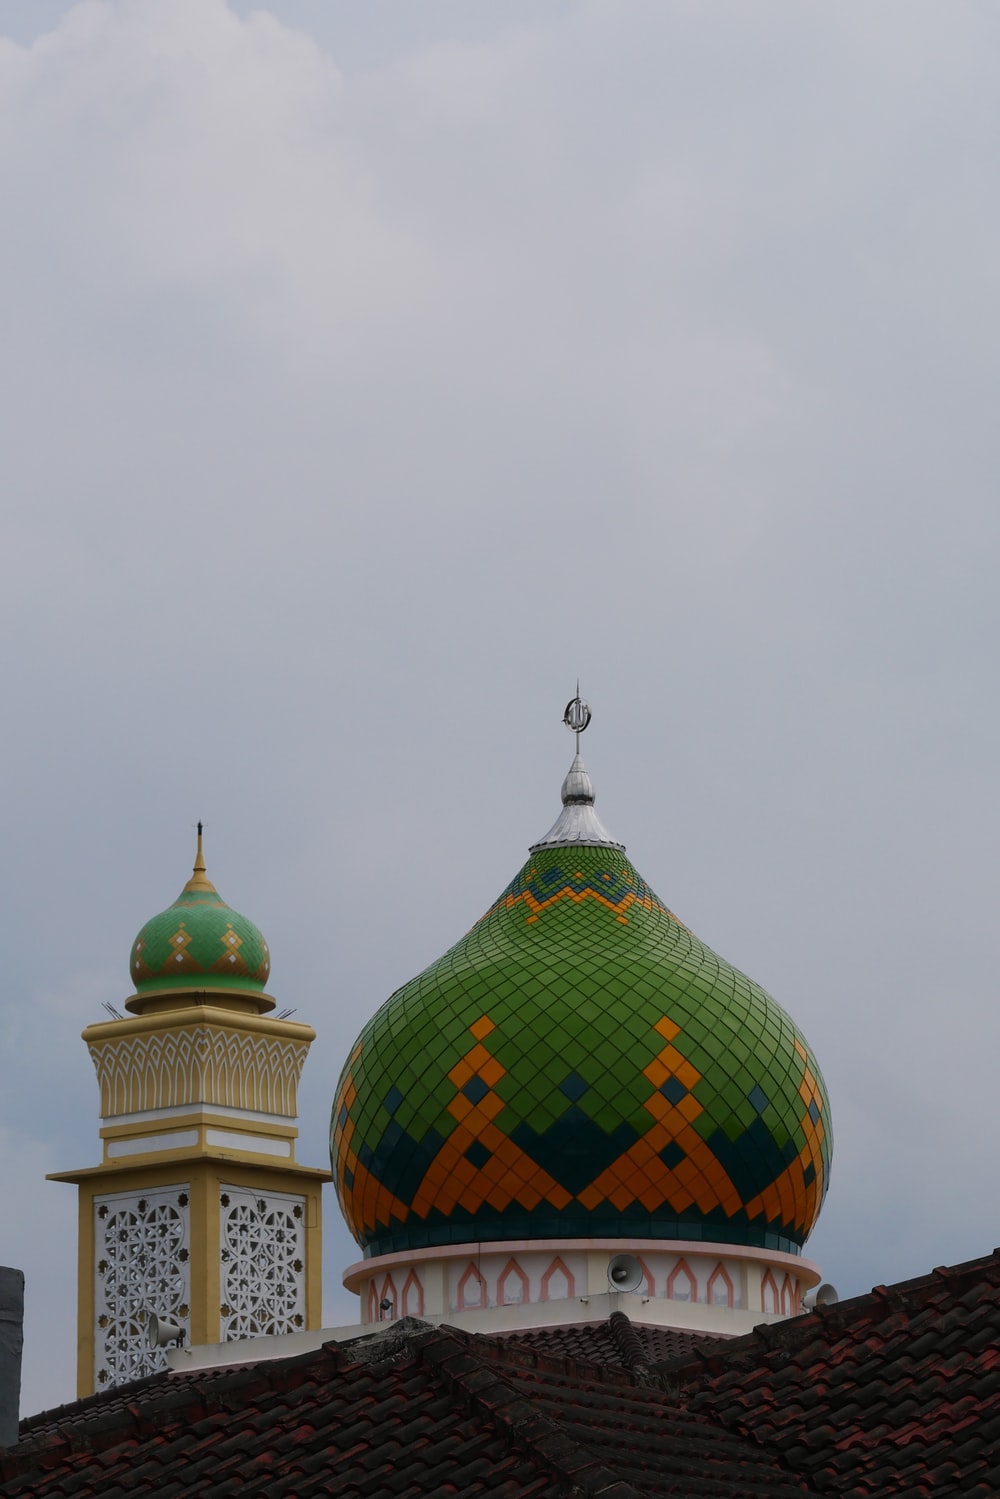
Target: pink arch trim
[(471, 1274), (512, 1271), (388, 1294), (682, 1270), (413, 1296), (720, 1277), (558, 1267)]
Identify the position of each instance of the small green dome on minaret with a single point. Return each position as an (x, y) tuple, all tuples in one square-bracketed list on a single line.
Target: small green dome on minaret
[(199, 943)]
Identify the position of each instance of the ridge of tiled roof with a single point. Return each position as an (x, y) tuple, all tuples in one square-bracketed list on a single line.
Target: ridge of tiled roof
[(638, 1431), (408, 1411), (610, 1341), (628, 1344), (895, 1391), (377, 1417)]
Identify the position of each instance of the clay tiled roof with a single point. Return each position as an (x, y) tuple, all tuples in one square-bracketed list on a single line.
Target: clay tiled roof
[(648, 1442), (288, 1427), (415, 1411), (896, 1392), (615, 1343)]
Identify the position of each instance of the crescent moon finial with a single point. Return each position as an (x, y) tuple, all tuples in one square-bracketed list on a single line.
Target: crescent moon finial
[(577, 716)]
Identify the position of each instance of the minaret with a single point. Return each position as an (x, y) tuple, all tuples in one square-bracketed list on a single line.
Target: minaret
[(198, 1211)]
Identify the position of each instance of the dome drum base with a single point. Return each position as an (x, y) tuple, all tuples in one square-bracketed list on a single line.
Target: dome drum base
[(440, 1231), (157, 1000), (505, 1285)]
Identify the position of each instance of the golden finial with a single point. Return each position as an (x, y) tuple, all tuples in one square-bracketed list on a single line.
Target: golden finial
[(199, 879)]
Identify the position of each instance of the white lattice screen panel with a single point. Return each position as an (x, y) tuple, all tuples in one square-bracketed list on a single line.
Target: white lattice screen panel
[(262, 1280), (141, 1264)]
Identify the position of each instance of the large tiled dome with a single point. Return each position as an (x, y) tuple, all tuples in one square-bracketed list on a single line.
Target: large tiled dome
[(580, 1065)]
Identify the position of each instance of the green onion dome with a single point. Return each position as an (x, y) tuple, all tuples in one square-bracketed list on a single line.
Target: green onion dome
[(579, 1064), (199, 943)]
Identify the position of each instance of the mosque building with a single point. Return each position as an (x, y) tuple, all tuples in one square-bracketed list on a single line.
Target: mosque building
[(581, 1155), (578, 1101)]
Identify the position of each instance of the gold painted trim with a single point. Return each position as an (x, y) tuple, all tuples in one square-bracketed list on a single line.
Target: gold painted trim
[(208, 1014), (201, 1120), (233, 1001), (199, 880), (169, 1159)]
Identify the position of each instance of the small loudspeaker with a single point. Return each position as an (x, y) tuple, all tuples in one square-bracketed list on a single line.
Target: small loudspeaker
[(625, 1273), (160, 1331), (824, 1295)]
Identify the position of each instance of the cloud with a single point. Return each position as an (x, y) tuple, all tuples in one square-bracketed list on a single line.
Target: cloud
[(365, 383)]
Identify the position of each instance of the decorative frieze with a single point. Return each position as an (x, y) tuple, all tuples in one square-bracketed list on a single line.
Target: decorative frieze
[(456, 1281), (202, 1063)]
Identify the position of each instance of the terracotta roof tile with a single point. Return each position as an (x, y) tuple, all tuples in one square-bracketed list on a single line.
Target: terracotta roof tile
[(639, 1431), (596, 1341), (897, 1392), (412, 1412), (894, 1392), (279, 1429)]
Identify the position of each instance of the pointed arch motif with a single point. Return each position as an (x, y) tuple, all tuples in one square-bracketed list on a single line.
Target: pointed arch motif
[(372, 1302), (681, 1283), (720, 1287), (769, 1298), (512, 1287), (558, 1283), (391, 1312), (649, 1286), (413, 1296), (787, 1296), (472, 1289)]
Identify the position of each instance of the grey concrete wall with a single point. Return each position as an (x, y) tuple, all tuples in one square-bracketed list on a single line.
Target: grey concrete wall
[(11, 1343)]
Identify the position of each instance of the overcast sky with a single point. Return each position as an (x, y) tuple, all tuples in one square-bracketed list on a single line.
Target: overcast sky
[(367, 373)]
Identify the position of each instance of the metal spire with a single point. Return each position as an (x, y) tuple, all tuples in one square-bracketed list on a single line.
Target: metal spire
[(577, 823), (199, 878)]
